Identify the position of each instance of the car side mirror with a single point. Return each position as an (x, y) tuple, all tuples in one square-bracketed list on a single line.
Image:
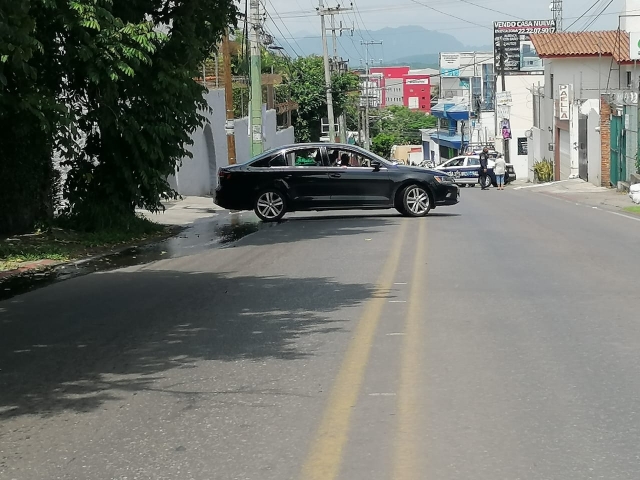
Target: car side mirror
[(376, 165)]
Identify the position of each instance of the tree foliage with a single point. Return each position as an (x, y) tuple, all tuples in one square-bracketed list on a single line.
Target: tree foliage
[(381, 144), (404, 124), (308, 89), (109, 85)]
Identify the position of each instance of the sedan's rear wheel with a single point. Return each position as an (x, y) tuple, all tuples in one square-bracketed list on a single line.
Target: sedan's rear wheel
[(416, 201), (270, 206)]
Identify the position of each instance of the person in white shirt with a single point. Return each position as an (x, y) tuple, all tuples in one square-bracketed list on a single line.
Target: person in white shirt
[(499, 170)]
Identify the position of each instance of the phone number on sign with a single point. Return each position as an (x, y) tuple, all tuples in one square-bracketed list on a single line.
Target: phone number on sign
[(527, 30)]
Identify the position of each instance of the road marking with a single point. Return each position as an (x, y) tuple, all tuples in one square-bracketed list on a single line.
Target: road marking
[(382, 394), (400, 283), (396, 334), (407, 448), (325, 455), (397, 301)]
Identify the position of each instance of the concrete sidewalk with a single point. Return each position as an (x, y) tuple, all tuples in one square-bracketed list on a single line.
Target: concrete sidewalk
[(185, 211), (582, 192)]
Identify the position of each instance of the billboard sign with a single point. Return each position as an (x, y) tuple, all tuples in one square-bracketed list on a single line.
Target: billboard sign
[(450, 64), (520, 57), (417, 81)]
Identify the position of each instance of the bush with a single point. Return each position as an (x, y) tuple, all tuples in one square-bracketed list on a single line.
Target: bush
[(543, 171)]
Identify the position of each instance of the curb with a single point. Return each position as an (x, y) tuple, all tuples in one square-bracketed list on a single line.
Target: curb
[(29, 267)]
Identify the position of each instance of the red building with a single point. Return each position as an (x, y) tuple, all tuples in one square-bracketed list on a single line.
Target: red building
[(395, 74), (417, 92)]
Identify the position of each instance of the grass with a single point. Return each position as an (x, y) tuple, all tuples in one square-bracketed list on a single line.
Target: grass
[(63, 245), (635, 209)]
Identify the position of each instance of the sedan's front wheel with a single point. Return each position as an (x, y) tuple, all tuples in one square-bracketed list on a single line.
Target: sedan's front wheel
[(270, 206), (415, 201)]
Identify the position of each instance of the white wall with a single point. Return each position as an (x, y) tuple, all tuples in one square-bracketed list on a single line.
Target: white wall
[(594, 146), (198, 176), (521, 118)]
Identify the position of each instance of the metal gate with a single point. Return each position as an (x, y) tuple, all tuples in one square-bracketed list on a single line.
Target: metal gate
[(618, 167), (583, 166)]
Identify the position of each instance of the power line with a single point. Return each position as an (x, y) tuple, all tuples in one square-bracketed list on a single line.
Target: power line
[(286, 28), (450, 14)]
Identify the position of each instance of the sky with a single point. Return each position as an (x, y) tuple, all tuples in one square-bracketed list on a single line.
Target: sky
[(473, 27)]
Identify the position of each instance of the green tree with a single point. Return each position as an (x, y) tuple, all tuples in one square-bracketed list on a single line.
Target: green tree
[(109, 84), (403, 123), (309, 91), (381, 144)]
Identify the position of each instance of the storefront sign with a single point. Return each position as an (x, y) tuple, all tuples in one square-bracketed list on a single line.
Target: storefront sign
[(564, 113)]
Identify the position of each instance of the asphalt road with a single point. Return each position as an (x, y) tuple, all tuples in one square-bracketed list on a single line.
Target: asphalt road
[(498, 339)]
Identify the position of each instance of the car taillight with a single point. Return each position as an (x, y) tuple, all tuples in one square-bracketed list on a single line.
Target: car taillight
[(224, 174)]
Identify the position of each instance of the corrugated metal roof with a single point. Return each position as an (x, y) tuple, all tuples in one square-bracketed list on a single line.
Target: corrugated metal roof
[(612, 43)]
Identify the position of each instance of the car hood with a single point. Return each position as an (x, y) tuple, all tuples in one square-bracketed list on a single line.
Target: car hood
[(419, 170)]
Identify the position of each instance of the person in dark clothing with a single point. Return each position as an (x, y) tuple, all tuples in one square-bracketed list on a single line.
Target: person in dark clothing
[(484, 165)]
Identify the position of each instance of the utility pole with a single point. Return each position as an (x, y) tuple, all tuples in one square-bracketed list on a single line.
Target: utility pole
[(337, 61), (327, 72), (228, 98), (256, 80), (367, 139), (505, 141)]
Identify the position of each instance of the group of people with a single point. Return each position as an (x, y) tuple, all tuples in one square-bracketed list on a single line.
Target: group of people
[(499, 169)]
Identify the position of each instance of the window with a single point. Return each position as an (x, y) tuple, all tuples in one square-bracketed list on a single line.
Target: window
[(474, 162), (457, 162), (629, 79), (522, 146), (551, 94), (305, 157), (348, 158)]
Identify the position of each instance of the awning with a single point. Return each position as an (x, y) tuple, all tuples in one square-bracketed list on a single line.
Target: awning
[(458, 113), (440, 109), (451, 141)]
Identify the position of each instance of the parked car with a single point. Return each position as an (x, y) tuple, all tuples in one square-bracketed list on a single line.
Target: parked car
[(466, 171), (326, 176)]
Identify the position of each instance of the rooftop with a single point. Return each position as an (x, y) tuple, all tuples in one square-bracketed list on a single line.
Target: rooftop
[(611, 43)]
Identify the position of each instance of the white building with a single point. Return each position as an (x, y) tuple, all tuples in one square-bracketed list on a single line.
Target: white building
[(579, 68)]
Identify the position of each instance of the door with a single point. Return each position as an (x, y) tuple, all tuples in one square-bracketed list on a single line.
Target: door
[(453, 167), (470, 172), (564, 147), (355, 183), (618, 151), (583, 166), (306, 177)]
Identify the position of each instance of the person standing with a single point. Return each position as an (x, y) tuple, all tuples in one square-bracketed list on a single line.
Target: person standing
[(500, 169), (484, 165)]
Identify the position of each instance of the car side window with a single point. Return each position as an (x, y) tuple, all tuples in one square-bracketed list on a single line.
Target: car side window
[(306, 157), (456, 163), (474, 162), (348, 158)]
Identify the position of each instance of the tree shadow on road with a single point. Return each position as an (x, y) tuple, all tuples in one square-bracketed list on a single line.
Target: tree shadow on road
[(76, 345)]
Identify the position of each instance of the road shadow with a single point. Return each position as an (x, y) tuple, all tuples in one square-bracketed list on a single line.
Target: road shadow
[(76, 345), (315, 227)]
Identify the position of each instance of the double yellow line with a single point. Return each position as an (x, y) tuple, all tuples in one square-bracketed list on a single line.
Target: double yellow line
[(325, 457)]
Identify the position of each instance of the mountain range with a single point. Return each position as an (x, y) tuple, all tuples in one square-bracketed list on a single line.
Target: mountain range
[(410, 45)]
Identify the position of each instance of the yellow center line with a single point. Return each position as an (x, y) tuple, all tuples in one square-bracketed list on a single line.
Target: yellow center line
[(325, 456), (408, 454)]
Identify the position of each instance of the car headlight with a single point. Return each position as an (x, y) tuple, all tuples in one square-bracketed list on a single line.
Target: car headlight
[(443, 179)]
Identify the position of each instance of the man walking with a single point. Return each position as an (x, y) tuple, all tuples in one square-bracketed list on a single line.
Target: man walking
[(484, 165)]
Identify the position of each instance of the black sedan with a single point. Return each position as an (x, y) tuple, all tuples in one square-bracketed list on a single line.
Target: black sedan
[(327, 176)]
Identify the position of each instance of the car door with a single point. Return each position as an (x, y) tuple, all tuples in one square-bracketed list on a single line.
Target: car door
[(453, 166), (306, 177), (470, 171), (357, 183)]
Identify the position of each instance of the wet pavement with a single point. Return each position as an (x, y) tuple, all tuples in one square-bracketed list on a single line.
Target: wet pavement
[(217, 231)]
